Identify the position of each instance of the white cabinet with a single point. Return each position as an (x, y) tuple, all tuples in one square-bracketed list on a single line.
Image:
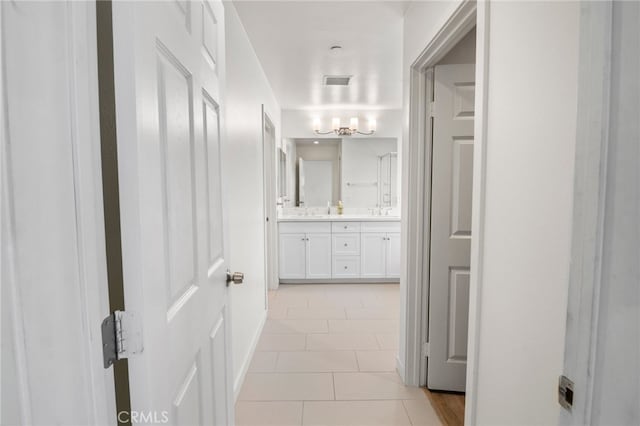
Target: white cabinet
[(366, 250), (292, 256), (373, 256), (346, 267), (346, 244), (305, 250), (318, 251), (393, 255), (380, 255)]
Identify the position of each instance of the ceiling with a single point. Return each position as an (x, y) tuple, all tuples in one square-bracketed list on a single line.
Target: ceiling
[(292, 40)]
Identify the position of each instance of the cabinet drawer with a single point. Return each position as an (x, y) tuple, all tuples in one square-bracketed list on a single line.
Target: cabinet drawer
[(304, 227), (380, 226), (346, 266), (346, 244), (345, 227)]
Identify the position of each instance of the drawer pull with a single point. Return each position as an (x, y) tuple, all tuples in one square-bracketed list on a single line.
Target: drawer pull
[(345, 227), (346, 267), (345, 244)]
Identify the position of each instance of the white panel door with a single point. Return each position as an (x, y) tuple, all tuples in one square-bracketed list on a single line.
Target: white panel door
[(293, 256), (318, 256), (393, 255), (452, 170), (54, 279), (169, 69), (373, 255)]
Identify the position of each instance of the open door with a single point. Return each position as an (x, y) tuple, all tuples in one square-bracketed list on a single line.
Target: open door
[(168, 72), (54, 276), (270, 199), (452, 181)]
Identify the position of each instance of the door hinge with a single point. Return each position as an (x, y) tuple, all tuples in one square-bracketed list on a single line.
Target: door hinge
[(432, 109), (121, 337), (426, 350), (565, 392)]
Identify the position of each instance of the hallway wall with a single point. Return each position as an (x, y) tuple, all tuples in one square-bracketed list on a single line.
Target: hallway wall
[(422, 22), (530, 148), (247, 89)]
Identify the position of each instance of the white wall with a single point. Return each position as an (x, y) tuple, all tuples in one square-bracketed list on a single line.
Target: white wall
[(247, 89), (422, 22), (464, 52), (530, 148)]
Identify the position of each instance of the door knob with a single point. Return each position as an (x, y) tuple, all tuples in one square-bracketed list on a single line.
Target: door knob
[(236, 277)]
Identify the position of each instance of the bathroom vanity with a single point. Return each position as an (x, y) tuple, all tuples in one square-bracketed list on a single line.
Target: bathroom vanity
[(337, 248)]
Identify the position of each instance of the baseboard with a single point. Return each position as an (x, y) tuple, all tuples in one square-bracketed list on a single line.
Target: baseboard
[(237, 383), (400, 369)]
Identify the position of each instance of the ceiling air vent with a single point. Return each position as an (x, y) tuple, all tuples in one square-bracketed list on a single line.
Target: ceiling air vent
[(337, 80)]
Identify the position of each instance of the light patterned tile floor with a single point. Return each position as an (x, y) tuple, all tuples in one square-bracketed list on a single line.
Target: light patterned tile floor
[(327, 357)]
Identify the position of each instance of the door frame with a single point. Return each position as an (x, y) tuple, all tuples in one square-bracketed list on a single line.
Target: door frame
[(417, 182), (269, 206), (589, 196)]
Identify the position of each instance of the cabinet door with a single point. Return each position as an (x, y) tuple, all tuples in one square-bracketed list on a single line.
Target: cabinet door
[(393, 255), (318, 256), (292, 255), (372, 260)]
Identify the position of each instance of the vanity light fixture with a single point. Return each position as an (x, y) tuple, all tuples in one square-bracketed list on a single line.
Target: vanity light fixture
[(339, 130)]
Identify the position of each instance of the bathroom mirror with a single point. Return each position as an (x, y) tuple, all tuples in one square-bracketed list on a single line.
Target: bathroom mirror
[(362, 172), (282, 175)]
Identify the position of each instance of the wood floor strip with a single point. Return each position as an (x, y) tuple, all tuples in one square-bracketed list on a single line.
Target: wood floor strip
[(448, 405)]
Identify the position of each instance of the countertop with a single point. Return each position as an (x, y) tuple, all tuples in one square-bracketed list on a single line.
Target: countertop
[(338, 218)]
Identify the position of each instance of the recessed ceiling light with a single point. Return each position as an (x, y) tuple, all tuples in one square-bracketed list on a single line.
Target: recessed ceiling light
[(316, 142)]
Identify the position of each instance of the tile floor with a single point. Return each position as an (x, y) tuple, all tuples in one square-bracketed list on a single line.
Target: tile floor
[(327, 357)]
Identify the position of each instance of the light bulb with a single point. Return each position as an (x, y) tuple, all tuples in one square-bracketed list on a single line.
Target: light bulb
[(335, 123), (316, 124), (354, 123), (372, 125)]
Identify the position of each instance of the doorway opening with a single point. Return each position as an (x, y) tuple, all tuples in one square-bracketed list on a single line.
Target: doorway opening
[(445, 113)]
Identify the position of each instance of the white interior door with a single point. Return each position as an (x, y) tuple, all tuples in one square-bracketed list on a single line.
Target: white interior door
[(270, 197), (54, 278), (169, 68), (452, 171)]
